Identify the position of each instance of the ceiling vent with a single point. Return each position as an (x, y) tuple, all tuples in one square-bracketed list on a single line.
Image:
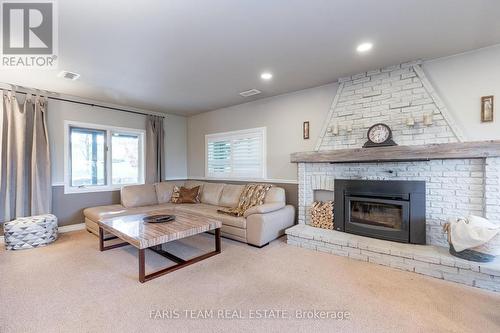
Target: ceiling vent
[(69, 75), (250, 92)]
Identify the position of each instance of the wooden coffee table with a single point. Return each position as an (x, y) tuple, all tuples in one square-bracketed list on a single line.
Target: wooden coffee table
[(143, 235)]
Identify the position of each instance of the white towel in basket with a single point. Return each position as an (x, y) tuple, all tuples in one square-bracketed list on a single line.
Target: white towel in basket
[(471, 232)]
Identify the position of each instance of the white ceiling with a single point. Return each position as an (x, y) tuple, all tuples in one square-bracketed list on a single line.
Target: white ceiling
[(187, 57)]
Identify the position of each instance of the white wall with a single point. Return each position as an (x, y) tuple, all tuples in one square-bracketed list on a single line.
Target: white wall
[(58, 112), (176, 147), (460, 80), (282, 115)]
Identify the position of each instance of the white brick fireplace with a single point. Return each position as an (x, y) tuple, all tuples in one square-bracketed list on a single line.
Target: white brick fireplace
[(454, 187)]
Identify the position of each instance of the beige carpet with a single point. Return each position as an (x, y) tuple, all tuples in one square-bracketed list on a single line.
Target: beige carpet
[(70, 286)]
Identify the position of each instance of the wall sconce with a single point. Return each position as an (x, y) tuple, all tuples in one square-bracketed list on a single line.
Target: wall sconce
[(428, 119), (349, 128)]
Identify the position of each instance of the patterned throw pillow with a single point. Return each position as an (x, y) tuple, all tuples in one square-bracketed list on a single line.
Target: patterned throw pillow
[(186, 195)]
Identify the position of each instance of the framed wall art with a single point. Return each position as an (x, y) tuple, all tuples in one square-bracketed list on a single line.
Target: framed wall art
[(487, 109), (305, 130)]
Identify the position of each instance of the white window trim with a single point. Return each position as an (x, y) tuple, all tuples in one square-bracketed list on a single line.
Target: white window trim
[(109, 130), (262, 130)]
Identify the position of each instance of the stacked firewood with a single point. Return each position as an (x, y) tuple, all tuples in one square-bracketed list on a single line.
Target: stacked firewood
[(322, 214)]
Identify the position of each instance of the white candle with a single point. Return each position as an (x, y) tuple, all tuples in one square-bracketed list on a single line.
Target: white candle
[(335, 130), (410, 121), (428, 119)]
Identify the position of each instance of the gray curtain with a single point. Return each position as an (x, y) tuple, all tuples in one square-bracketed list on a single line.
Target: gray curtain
[(155, 152), (25, 184)]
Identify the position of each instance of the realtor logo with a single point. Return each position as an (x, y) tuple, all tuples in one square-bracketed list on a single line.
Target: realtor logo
[(29, 34)]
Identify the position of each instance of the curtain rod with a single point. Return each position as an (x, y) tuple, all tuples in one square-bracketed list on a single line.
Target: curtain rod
[(91, 104)]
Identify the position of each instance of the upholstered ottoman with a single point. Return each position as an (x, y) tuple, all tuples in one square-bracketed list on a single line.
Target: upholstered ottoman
[(30, 232)]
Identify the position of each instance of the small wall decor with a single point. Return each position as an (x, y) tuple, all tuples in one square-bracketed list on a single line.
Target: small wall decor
[(305, 130), (487, 109)]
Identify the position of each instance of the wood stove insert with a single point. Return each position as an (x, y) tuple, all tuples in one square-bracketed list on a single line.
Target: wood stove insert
[(385, 209)]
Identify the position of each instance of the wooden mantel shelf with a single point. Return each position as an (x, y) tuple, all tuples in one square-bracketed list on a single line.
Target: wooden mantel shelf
[(444, 151)]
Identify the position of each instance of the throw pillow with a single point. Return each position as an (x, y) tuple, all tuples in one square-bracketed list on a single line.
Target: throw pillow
[(186, 195)]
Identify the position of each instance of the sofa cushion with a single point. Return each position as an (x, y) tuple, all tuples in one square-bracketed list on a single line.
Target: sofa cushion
[(164, 191), (168, 205), (96, 213), (211, 212), (211, 193), (263, 209), (275, 194), (230, 195), (103, 212), (138, 195)]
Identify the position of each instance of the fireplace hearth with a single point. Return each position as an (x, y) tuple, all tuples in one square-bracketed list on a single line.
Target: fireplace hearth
[(384, 209)]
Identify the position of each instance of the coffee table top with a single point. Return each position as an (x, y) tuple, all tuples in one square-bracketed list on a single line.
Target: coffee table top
[(133, 230)]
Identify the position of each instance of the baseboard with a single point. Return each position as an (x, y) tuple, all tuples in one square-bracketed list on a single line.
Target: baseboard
[(71, 227), (61, 230)]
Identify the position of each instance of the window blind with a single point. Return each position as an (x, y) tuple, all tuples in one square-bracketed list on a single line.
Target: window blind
[(238, 154)]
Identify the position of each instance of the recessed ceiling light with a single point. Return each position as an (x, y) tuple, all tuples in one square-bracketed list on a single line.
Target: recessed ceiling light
[(266, 76), (69, 75), (364, 47)]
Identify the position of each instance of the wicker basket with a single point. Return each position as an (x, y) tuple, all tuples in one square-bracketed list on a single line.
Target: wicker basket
[(484, 253)]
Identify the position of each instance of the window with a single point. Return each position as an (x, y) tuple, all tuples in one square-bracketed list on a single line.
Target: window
[(88, 152), (125, 161), (236, 155), (102, 158)]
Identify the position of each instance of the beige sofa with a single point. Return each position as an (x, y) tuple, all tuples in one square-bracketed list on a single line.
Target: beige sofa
[(259, 225)]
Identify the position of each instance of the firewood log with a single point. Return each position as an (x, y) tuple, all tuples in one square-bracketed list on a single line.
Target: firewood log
[(322, 215)]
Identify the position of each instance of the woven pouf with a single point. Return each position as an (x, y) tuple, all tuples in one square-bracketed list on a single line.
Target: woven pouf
[(30, 232)]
